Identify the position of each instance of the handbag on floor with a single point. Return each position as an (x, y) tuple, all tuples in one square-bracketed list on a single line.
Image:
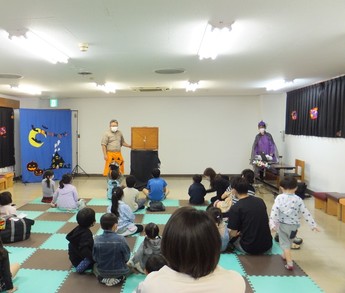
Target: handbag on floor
[(16, 229)]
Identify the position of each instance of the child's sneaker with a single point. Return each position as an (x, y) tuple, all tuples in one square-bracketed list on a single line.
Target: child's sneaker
[(290, 268)]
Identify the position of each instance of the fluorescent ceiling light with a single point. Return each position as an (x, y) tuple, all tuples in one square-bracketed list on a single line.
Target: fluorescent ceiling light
[(213, 40), (36, 45), (192, 86), (278, 84), (31, 90), (107, 87)]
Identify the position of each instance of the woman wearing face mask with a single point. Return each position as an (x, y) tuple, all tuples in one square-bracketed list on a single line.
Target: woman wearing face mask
[(112, 142), (264, 143)]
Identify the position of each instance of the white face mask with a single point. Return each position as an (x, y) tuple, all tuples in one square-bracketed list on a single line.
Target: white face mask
[(113, 128), (262, 130)]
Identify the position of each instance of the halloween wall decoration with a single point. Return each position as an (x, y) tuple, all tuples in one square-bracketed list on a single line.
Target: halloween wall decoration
[(46, 143)]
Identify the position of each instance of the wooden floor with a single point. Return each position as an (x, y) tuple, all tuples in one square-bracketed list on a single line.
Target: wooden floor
[(321, 255)]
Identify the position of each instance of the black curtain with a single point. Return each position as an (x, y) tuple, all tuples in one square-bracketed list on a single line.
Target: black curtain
[(6, 137), (317, 110)]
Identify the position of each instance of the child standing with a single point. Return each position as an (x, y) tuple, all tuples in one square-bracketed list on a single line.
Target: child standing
[(216, 215), (7, 271), (286, 215), (112, 182), (6, 205), (124, 214), (81, 241), (66, 196), (156, 187), (197, 191), (131, 195), (150, 246), (48, 186), (110, 252)]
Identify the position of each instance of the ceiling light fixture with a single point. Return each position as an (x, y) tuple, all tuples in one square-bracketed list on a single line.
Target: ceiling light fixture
[(192, 86), (278, 84), (31, 90), (213, 40), (107, 87), (38, 46)]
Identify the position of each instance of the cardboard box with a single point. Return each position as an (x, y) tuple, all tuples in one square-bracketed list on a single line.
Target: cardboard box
[(144, 138)]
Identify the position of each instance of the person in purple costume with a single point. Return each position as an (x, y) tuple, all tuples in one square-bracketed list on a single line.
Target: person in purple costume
[(264, 143)]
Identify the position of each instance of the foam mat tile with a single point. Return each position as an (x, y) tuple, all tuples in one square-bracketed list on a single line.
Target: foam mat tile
[(28, 280), (132, 282), (273, 284), (156, 218), (34, 207), (19, 254), (231, 262), (269, 265), (85, 283), (56, 241), (46, 226), (51, 216), (45, 259)]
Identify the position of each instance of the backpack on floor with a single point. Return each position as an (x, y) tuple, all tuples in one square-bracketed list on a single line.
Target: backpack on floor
[(16, 229), (156, 206)]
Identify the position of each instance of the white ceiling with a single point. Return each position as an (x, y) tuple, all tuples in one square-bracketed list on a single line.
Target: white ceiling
[(299, 40)]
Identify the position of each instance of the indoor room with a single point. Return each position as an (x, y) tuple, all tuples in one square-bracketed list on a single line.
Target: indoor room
[(142, 65)]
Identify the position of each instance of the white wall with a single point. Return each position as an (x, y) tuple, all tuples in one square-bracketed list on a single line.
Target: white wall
[(194, 133)]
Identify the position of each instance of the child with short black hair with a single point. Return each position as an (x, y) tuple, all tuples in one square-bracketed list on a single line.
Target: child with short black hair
[(216, 215), (113, 182), (153, 264), (111, 253), (48, 186), (126, 218), (156, 189), (286, 217), (6, 205), (81, 241), (197, 191), (8, 271), (150, 246), (131, 195)]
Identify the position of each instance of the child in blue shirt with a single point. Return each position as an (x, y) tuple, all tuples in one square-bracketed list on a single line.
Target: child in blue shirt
[(156, 187)]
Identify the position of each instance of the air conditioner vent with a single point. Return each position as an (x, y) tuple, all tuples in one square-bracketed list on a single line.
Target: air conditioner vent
[(150, 89)]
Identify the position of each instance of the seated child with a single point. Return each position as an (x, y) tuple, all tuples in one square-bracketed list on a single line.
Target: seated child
[(112, 182), (216, 214), (124, 214), (8, 272), (131, 195), (111, 253), (153, 264), (150, 246), (48, 186), (197, 191), (6, 205), (81, 241), (156, 187), (66, 196)]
